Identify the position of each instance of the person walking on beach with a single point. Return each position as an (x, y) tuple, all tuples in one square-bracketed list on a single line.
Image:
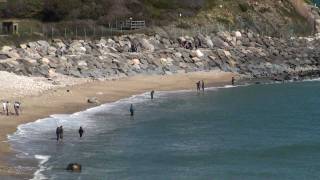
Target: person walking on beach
[(198, 86), (58, 133), (81, 131), (16, 107), (61, 132), (4, 107), (131, 110), (7, 107), (202, 84), (232, 81), (152, 93)]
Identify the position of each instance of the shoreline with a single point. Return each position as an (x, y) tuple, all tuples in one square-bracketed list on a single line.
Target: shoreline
[(60, 101)]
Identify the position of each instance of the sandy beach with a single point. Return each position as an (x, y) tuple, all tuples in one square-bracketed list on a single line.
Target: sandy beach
[(65, 99)]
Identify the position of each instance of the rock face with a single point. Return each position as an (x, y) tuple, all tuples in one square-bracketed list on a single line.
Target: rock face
[(242, 52), (74, 167)]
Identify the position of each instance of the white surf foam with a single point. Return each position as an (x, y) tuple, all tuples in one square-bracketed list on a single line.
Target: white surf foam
[(42, 160)]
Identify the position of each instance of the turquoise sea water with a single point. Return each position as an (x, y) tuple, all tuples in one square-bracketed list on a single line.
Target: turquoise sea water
[(252, 132)]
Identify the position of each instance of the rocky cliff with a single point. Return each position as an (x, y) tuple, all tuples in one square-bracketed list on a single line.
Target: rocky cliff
[(242, 52)]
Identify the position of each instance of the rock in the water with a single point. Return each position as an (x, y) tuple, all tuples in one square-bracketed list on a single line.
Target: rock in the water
[(74, 167)]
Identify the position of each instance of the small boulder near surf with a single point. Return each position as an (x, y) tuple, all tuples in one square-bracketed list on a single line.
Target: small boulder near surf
[(74, 167)]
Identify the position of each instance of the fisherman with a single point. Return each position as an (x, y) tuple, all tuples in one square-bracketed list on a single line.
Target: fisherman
[(232, 81), (198, 86), (131, 110), (152, 94), (202, 84), (16, 107), (61, 132), (81, 131), (58, 133)]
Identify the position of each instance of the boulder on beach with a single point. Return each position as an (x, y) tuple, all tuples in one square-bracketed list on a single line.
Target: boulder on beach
[(93, 100)]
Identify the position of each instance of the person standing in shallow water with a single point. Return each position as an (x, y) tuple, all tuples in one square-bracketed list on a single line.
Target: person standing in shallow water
[(61, 132), (81, 131), (202, 85), (198, 86), (58, 133), (16, 107), (7, 107), (232, 81), (4, 106), (131, 110), (152, 94)]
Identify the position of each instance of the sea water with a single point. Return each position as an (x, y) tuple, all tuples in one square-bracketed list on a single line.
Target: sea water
[(253, 132)]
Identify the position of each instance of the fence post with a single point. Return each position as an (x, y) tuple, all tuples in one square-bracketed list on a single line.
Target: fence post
[(94, 32), (51, 32), (65, 33), (45, 31), (76, 32), (116, 24), (85, 34), (111, 30)]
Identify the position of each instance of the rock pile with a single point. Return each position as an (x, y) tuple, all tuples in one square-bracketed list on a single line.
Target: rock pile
[(243, 52)]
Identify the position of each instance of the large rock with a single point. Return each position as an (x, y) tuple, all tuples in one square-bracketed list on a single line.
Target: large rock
[(4, 56), (44, 44), (6, 49), (209, 42), (146, 45), (76, 47), (74, 167), (206, 41), (238, 34), (163, 61), (82, 63), (227, 53), (219, 43), (23, 46), (197, 53), (45, 61), (135, 62)]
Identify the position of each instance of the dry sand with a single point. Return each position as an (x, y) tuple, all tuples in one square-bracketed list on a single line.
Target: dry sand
[(42, 102)]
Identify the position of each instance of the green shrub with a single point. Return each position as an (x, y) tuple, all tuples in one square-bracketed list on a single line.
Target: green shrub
[(183, 25), (244, 7)]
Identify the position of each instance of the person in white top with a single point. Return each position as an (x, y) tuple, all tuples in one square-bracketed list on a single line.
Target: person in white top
[(4, 106)]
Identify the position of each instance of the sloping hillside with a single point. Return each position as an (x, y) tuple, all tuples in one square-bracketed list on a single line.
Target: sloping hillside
[(269, 16)]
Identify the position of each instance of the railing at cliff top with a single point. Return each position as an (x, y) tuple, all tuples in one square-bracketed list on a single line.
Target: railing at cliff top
[(72, 30)]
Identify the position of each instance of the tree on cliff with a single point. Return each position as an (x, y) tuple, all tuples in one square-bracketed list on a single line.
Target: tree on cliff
[(22, 8)]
